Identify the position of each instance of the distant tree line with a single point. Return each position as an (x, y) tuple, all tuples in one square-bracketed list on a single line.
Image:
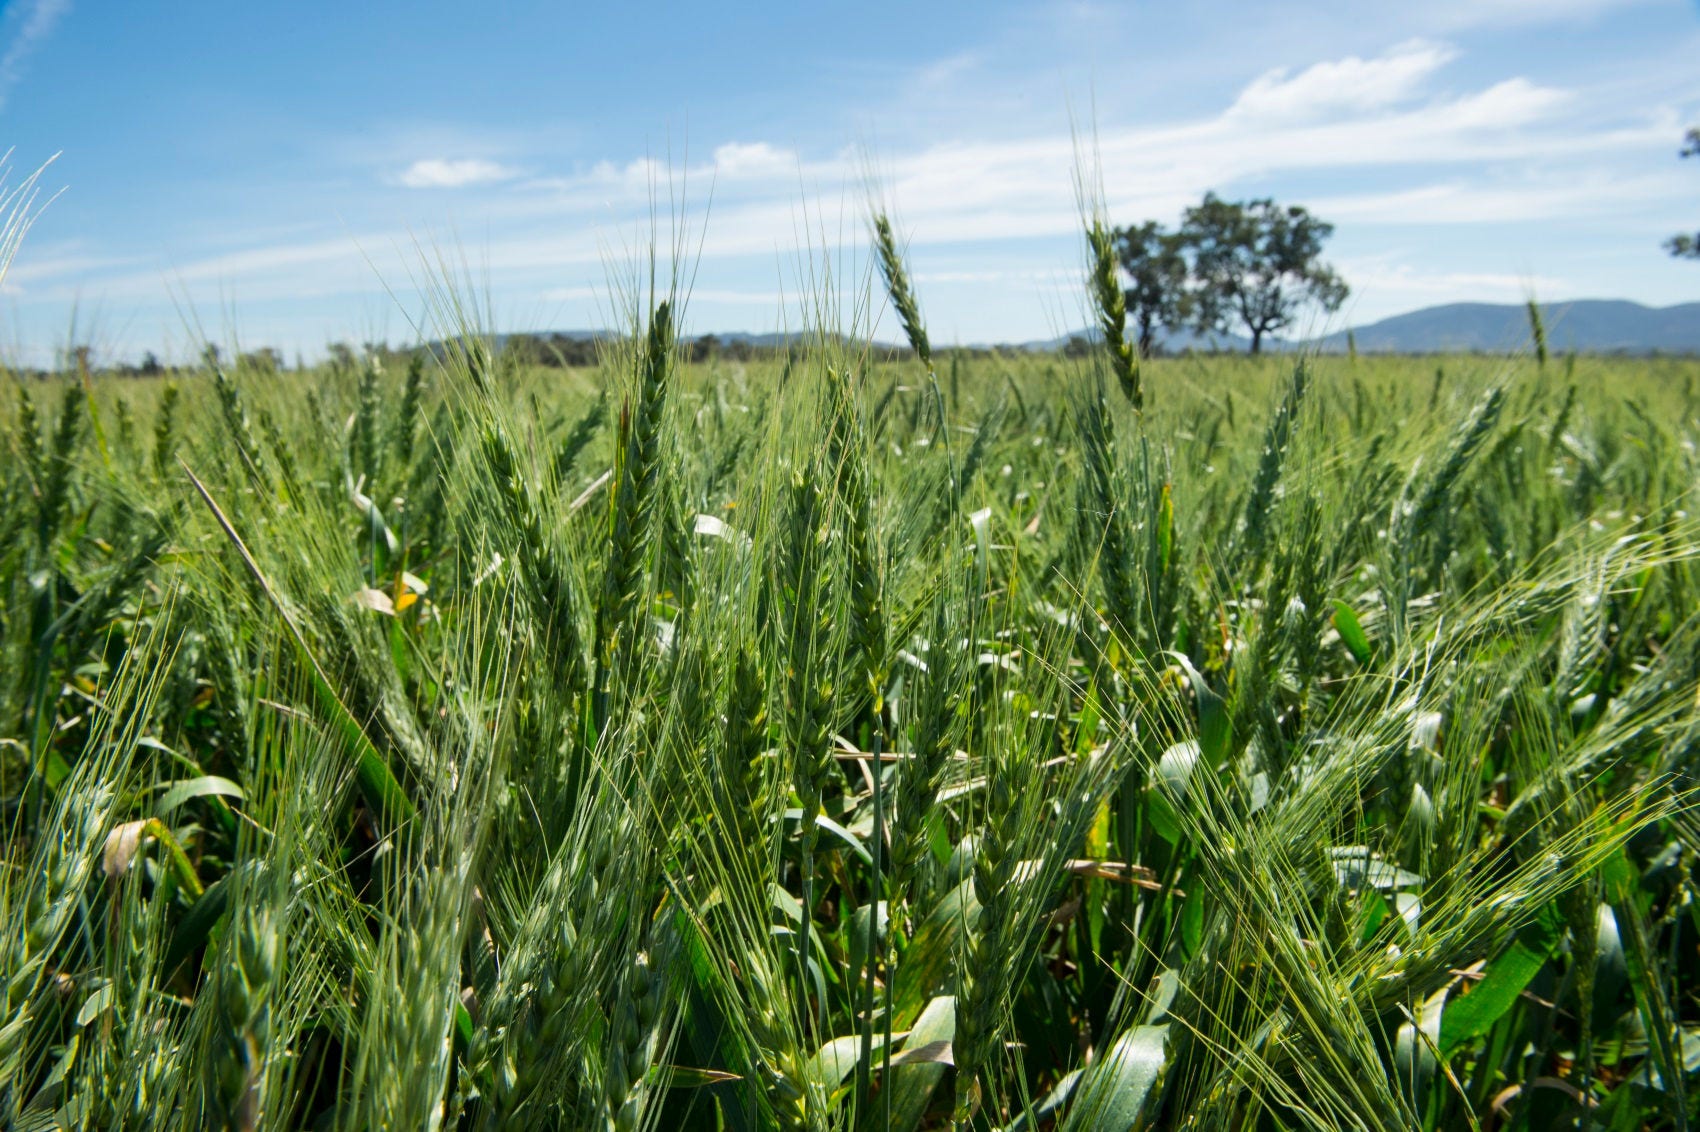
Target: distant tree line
[(557, 350), (554, 350), (1250, 265), (1253, 264)]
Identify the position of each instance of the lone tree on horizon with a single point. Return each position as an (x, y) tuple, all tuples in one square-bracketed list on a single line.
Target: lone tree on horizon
[(1686, 246), (1257, 263)]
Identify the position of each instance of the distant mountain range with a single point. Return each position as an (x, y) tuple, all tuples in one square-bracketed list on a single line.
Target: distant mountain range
[(1601, 326), (1588, 325)]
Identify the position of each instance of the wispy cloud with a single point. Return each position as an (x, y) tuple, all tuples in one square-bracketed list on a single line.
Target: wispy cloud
[(1021, 188), (1459, 202), (1389, 277), (602, 291), (61, 265), (454, 173), (1349, 85), (753, 159), (1379, 135), (999, 275), (25, 25)]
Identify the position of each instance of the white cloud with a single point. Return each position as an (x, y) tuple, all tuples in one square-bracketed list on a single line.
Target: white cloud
[(1464, 202), (1514, 102), (988, 191), (1022, 188), (726, 295), (603, 292), (453, 173), (1348, 85), (1470, 152), (592, 187), (993, 191), (346, 264), (1386, 284), (1029, 275), (30, 24), (757, 159), (262, 261), (51, 264)]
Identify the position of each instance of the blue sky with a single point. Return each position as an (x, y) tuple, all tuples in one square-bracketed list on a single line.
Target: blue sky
[(290, 175)]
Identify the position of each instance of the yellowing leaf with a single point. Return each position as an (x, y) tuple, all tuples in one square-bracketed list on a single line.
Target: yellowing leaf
[(376, 600), (121, 846)]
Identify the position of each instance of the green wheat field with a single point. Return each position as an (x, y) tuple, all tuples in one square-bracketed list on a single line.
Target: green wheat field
[(852, 738)]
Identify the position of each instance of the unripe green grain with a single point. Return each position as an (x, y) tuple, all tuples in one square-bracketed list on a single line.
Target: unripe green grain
[(235, 417), (405, 429), (554, 591), (897, 286), (59, 460), (637, 491), (1111, 305)]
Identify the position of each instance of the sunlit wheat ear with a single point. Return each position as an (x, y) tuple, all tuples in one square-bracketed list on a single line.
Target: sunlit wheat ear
[(79, 836), (364, 440), (740, 771), (634, 1073), (29, 434), (810, 692), (984, 963), (675, 566), (287, 471), (240, 1049), (637, 495), (1110, 305), (937, 712), (39, 907), (847, 453), (899, 288), (553, 590), (401, 1076), (54, 465), (410, 414), (165, 431), (781, 1069), (579, 437), (1254, 523), (1538, 333), (235, 415)]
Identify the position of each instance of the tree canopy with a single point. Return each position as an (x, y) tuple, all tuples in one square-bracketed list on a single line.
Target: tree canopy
[(1257, 263), (1155, 261)]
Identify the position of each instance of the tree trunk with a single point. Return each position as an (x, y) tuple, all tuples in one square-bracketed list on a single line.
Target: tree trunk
[(1144, 336), (1257, 339)]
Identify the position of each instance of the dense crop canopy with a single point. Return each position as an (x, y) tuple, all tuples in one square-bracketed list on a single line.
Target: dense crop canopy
[(816, 743)]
